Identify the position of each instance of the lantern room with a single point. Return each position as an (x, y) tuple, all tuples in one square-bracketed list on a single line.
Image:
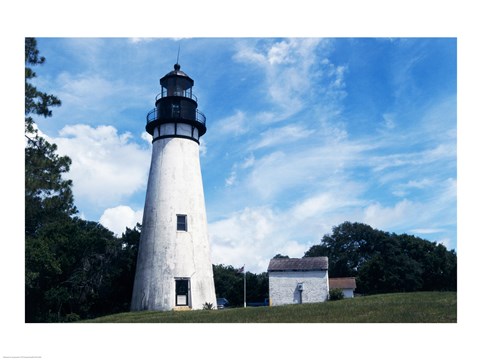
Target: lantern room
[(176, 83), (176, 108)]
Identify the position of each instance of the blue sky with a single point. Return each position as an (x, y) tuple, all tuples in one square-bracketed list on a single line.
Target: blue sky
[(302, 134)]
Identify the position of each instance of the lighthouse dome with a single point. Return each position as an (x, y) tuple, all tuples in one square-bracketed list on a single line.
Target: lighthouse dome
[(176, 73)]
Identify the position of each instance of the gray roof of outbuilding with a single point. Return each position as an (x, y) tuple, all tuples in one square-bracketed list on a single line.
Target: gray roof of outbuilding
[(304, 264), (342, 283)]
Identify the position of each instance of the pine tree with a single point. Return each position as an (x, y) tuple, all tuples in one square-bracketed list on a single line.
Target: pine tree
[(48, 196)]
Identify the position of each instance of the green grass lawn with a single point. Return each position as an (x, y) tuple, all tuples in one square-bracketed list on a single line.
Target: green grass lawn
[(419, 307)]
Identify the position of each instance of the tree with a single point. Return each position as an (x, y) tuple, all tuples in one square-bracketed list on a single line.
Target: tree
[(36, 102), (347, 248), (257, 287), (48, 197), (117, 298), (384, 262), (228, 283), (73, 268), (47, 194), (72, 260), (81, 270)]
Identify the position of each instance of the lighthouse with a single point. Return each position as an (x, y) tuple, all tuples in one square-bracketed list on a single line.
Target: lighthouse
[(174, 269)]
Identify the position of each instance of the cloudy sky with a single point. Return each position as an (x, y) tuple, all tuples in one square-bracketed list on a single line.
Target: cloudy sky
[(302, 134)]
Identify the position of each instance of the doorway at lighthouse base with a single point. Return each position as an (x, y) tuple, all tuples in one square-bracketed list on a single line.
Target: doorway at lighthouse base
[(182, 294)]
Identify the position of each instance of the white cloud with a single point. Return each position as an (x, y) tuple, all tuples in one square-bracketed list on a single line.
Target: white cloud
[(324, 176), (309, 167), (246, 53), (245, 164), (232, 125), (231, 179), (251, 237), (447, 242), (87, 50), (280, 53), (138, 40), (92, 97), (425, 216), (282, 135), (315, 205), (419, 184), (290, 73), (147, 137), (249, 161), (203, 148), (384, 217), (106, 166), (389, 121), (426, 231), (118, 218), (402, 189), (84, 89), (441, 153)]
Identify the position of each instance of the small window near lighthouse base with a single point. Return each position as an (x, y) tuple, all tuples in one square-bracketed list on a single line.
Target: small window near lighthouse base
[(181, 222)]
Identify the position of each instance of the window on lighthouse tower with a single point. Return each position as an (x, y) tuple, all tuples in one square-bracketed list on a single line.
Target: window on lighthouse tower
[(181, 222)]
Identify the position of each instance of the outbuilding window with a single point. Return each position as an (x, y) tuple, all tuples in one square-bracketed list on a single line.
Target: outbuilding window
[(181, 222)]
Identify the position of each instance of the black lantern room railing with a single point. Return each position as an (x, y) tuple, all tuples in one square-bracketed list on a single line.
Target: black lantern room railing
[(154, 118), (176, 114)]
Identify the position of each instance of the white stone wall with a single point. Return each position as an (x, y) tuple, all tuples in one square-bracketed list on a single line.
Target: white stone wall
[(165, 254), (347, 293), (283, 287)]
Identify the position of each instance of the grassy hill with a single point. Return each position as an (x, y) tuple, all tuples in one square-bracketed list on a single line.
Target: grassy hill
[(419, 307)]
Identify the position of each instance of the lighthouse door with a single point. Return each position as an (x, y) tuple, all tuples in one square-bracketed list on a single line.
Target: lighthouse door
[(181, 292)]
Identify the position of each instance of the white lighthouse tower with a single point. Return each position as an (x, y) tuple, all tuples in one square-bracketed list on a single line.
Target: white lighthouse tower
[(174, 269)]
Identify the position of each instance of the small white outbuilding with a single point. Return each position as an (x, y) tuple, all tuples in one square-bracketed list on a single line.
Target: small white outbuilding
[(297, 281), (346, 284)]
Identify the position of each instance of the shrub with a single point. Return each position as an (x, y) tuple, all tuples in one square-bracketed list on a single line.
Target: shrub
[(72, 317), (207, 306), (335, 294)]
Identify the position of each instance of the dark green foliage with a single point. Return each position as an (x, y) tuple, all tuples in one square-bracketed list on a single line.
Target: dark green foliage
[(73, 268), (48, 203), (122, 270), (208, 306), (384, 262), (78, 268), (66, 266), (229, 284), (72, 317), (36, 102), (257, 287), (47, 194), (335, 294)]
